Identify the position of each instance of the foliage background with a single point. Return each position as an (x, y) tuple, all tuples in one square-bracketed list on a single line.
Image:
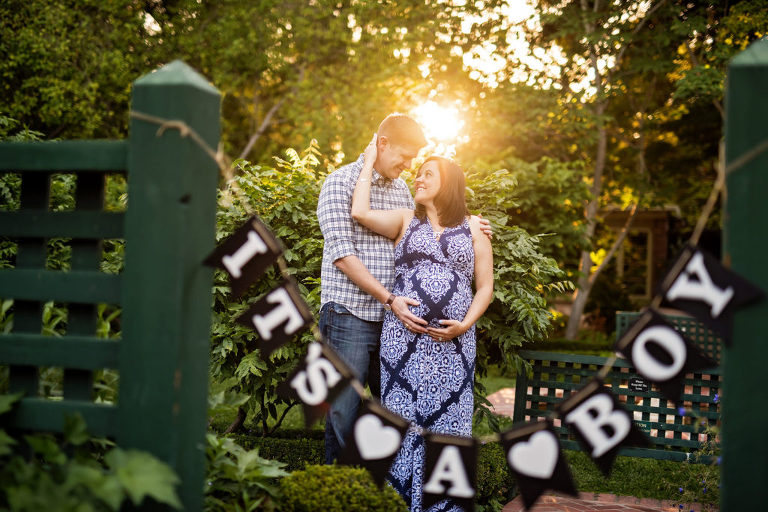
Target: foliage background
[(329, 71)]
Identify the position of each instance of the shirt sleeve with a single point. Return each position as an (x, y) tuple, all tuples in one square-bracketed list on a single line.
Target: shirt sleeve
[(335, 218)]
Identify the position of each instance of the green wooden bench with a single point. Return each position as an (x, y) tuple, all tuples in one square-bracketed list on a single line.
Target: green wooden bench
[(672, 437), (164, 291)]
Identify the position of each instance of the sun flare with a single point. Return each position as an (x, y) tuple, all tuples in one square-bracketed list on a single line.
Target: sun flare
[(440, 123)]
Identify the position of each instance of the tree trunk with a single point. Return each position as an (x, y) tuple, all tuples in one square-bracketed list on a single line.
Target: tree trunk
[(237, 424), (580, 296), (586, 281), (584, 287)]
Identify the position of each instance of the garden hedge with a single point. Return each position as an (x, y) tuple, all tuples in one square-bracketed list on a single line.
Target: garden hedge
[(336, 489), (301, 449)]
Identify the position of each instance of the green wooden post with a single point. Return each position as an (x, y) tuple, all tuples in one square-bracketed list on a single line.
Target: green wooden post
[(745, 363), (170, 229)]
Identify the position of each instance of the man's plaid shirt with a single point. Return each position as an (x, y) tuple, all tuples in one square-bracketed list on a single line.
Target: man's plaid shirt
[(345, 237)]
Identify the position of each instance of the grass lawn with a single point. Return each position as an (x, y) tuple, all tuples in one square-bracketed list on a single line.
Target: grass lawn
[(495, 380), (649, 478)]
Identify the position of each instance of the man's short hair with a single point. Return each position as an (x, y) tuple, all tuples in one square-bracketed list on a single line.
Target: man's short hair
[(402, 130)]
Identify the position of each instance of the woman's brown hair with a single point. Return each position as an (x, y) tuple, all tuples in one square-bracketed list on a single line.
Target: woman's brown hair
[(450, 201)]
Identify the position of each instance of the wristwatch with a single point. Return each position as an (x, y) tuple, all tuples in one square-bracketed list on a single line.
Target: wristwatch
[(388, 304)]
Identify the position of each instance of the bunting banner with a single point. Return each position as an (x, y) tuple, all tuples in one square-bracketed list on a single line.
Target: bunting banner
[(246, 254), (450, 471), (661, 354), (375, 440), (536, 460), (277, 316), (698, 284), (320, 377), (600, 424)]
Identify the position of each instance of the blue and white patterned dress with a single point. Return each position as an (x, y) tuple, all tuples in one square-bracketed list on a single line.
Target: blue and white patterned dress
[(429, 382)]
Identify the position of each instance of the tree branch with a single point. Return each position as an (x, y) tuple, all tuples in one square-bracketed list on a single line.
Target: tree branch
[(282, 417), (262, 127), (268, 118)]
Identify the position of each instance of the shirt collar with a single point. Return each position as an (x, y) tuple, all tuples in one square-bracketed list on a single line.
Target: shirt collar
[(376, 178)]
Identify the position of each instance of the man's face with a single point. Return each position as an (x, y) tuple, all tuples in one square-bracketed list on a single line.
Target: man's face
[(393, 159)]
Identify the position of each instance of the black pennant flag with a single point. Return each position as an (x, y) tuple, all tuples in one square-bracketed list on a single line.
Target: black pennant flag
[(320, 377), (246, 254), (601, 425), (534, 456), (277, 316), (450, 471), (375, 440), (661, 354), (700, 285)]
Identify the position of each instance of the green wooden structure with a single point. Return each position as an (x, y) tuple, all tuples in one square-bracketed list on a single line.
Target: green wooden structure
[(673, 437), (708, 342), (745, 362), (164, 290)]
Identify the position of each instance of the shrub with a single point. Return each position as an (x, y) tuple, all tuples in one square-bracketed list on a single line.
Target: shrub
[(296, 453), (336, 489), (285, 198), (495, 485), (238, 478)]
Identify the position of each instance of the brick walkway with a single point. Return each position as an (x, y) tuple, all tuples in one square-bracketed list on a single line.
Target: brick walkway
[(503, 402), (588, 502)]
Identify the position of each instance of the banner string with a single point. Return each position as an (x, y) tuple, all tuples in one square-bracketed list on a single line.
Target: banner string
[(224, 164)]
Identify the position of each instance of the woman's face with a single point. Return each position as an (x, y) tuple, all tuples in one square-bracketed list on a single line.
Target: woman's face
[(427, 183)]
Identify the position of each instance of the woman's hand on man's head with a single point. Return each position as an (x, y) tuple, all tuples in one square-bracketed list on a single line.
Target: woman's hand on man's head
[(371, 153)]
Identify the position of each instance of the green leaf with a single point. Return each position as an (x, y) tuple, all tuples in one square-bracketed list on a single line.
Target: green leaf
[(7, 401), (47, 447), (75, 430), (6, 442), (142, 474), (105, 487)]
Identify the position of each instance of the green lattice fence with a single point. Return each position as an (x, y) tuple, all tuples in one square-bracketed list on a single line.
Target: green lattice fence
[(163, 293), (708, 342)]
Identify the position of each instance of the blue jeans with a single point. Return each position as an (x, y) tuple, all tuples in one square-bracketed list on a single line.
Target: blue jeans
[(357, 343)]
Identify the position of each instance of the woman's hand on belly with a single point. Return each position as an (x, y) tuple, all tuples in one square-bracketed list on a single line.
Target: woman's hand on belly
[(451, 329)]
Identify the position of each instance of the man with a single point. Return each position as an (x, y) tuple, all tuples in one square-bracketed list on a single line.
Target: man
[(358, 267)]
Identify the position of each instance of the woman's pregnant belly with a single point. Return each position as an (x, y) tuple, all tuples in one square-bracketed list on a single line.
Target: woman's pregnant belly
[(441, 292)]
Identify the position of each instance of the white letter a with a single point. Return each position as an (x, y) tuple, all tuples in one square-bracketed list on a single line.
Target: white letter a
[(450, 467)]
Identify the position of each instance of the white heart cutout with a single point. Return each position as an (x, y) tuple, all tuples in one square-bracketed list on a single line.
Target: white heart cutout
[(536, 457), (374, 439)]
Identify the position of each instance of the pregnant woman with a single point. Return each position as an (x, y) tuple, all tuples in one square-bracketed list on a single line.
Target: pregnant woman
[(427, 373)]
